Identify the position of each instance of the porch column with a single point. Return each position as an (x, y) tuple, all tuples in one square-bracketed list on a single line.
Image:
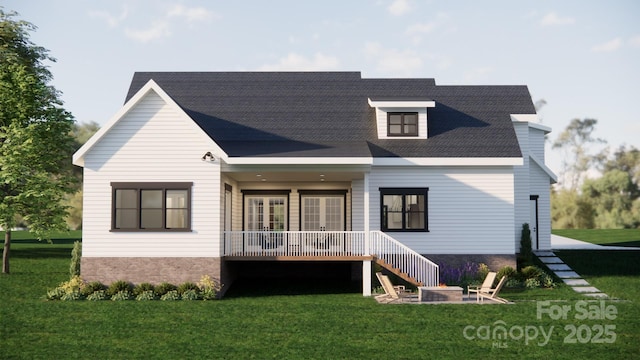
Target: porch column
[(366, 265)]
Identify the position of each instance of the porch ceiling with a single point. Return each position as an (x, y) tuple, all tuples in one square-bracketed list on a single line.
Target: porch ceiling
[(293, 176)]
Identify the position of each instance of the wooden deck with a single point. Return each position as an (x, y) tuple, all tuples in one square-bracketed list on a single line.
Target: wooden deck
[(298, 258)]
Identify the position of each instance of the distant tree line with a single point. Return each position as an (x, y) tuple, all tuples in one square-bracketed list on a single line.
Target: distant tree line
[(597, 189)]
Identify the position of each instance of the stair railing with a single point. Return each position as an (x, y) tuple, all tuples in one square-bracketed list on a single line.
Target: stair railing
[(403, 258)]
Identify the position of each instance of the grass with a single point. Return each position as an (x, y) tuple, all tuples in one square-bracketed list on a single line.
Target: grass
[(287, 320), (617, 271), (610, 237)]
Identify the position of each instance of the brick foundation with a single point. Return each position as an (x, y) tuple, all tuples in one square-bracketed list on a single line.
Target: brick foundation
[(495, 262), (153, 270)]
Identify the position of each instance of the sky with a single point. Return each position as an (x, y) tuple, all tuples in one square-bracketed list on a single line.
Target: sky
[(581, 57)]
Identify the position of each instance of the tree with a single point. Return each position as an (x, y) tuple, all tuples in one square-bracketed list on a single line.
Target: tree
[(35, 141), (627, 160), (575, 140), (612, 196), (570, 210), (81, 133)]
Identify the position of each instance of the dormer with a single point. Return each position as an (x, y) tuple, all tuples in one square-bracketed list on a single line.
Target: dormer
[(401, 118)]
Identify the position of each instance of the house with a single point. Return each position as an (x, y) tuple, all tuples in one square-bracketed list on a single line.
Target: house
[(220, 173)]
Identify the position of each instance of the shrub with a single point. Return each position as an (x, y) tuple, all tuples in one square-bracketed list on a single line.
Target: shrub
[(531, 272), (208, 287), (92, 287), (513, 283), (75, 284), (164, 288), (76, 255), (140, 288), (187, 286), (70, 296), (55, 294), (171, 295), (532, 283), (190, 294), (121, 295), (458, 275), (146, 295), (526, 255), (483, 270), (118, 286), (97, 296), (547, 281), (507, 271)]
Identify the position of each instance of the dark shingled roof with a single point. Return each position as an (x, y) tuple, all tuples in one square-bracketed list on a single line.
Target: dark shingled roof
[(326, 114)]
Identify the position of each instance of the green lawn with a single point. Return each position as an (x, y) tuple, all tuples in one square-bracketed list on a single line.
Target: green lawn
[(611, 237), (254, 323)]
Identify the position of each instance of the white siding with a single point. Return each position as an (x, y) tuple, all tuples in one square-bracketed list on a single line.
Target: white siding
[(540, 186), (530, 179), (536, 142), (521, 178), (151, 143), (470, 208), (381, 122)]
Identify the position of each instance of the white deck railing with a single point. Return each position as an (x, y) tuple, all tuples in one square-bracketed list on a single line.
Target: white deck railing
[(404, 258), (332, 243), (294, 243)]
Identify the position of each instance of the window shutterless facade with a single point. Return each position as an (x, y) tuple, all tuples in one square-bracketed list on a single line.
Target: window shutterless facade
[(404, 209), (151, 206), (402, 124)]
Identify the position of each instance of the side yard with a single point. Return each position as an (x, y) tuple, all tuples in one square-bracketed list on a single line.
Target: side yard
[(256, 322)]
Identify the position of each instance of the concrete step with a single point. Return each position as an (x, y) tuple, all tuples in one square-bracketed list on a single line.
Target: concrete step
[(544, 253), (551, 260), (559, 267), (597, 295), (585, 289), (567, 274), (576, 282)]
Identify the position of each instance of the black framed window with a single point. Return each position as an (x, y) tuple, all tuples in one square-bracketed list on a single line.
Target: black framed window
[(151, 206), (404, 209), (402, 124)]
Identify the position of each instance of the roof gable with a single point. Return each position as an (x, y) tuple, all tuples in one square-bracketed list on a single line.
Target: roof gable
[(132, 102)]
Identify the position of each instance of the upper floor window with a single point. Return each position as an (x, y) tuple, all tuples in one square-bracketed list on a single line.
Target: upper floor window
[(151, 207), (402, 124)]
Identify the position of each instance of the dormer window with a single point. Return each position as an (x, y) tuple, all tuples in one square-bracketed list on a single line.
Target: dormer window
[(402, 124), (401, 118)]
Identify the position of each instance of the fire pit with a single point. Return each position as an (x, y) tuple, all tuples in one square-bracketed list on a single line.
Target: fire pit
[(440, 293)]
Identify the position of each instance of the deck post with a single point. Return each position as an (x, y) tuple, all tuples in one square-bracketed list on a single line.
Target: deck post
[(366, 278)]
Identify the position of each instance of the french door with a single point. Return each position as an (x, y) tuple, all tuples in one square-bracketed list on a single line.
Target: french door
[(266, 213), (322, 213)]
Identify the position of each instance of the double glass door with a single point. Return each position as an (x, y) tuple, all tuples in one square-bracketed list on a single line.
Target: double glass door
[(266, 213), (322, 213)]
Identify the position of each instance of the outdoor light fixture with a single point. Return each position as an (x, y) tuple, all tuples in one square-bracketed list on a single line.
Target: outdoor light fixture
[(208, 156)]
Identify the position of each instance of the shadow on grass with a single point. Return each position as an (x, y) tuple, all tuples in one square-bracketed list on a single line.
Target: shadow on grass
[(635, 243), (33, 249), (260, 287), (602, 262)]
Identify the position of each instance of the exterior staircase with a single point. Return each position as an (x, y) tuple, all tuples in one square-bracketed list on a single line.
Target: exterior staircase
[(403, 261), (399, 273), (567, 275)]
